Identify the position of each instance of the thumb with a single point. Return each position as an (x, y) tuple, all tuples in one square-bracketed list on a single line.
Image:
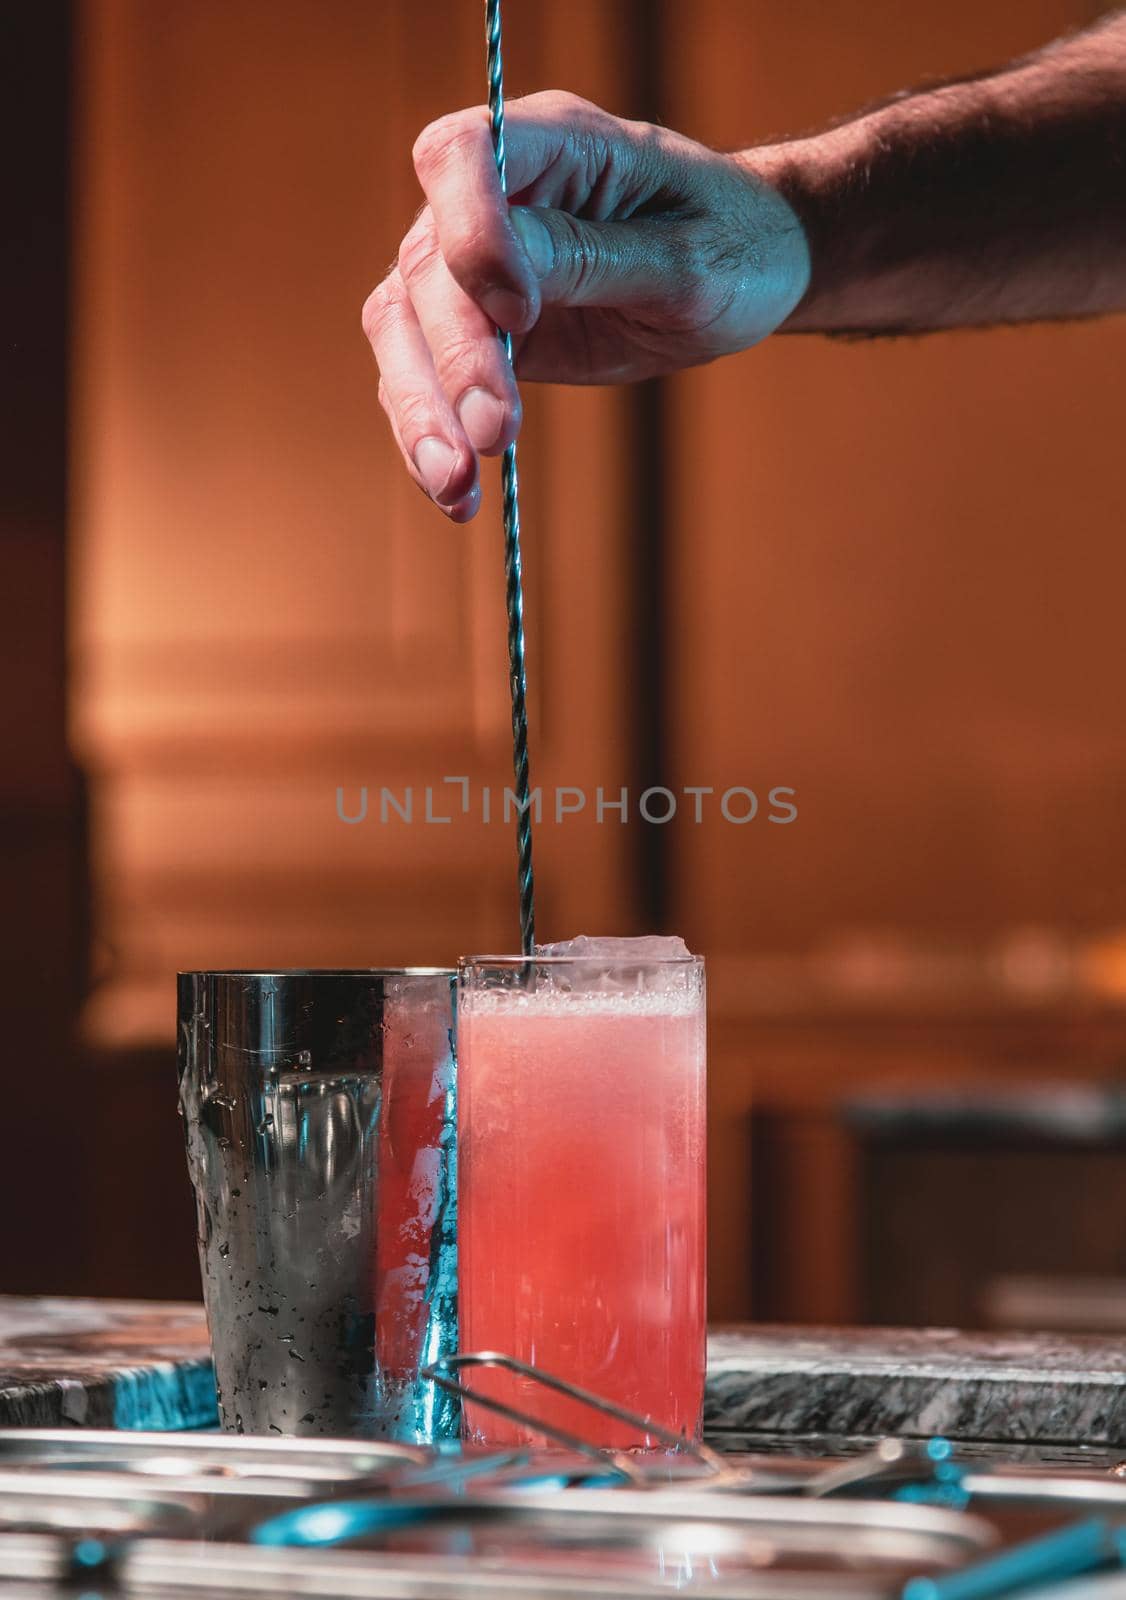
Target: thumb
[(580, 263)]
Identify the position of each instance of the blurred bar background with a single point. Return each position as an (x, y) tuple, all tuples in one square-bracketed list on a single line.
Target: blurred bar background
[(887, 575)]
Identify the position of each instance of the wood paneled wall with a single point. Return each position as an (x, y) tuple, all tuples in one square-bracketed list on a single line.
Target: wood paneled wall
[(43, 902), (894, 573), (266, 608), (896, 579)]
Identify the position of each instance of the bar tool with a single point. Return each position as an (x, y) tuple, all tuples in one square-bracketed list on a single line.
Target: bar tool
[(319, 1119)]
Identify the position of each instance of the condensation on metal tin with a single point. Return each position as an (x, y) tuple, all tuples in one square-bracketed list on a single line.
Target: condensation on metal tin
[(323, 1304)]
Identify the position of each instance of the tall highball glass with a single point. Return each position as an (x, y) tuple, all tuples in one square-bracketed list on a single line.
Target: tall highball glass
[(581, 1189)]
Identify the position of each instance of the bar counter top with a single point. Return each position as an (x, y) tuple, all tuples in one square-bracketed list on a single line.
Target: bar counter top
[(145, 1364), (104, 1364)]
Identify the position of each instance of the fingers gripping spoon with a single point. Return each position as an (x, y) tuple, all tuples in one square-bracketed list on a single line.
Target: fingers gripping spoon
[(514, 593)]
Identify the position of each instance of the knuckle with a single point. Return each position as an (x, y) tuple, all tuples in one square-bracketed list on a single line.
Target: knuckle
[(696, 288), (694, 303), (450, 137), (476, 256), (691, 311), (594, 261), (430, 142), (415, 417), (459, 359), (419, 249), (379, 309), (588, 254), (559, 103)]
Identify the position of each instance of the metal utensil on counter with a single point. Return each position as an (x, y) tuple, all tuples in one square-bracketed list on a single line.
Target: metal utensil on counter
[(326, 1519), (667, 1533), (1073, 1551), (575, 1544), (631, 1466), (117, 1487), (204, 1458), (319, 1118), (95, 1507), (917, 1468), (220, 1516)]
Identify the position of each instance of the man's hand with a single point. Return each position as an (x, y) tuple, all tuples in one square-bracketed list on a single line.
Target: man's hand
[(629, 251), (626, 251)]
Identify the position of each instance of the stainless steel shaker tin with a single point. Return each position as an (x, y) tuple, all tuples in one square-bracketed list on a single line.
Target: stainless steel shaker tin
[(320, 1120)]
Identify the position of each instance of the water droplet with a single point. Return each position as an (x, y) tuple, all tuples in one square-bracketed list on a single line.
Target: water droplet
[(224, 1250), (266, 1122)]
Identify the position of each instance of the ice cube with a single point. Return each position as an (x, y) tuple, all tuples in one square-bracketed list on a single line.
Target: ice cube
[(647, 947), (647, 972)]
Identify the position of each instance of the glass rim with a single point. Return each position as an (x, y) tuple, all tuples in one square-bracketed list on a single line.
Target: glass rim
[(317, 972), (464, 962)]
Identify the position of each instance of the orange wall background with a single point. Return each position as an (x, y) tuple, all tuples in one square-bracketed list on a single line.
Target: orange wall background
[(896, 568), (899, 563)]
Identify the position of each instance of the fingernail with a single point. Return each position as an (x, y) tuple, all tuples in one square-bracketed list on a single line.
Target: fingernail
[(507, 308), (534, 236), (435, 460), (482, 417), (467, 508)]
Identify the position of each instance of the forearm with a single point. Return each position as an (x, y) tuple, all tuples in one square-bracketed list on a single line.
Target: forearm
[(998, 199)]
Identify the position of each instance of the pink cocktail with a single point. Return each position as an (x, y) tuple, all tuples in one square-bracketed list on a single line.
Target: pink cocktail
[(581, 1185), (417, 1071)]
